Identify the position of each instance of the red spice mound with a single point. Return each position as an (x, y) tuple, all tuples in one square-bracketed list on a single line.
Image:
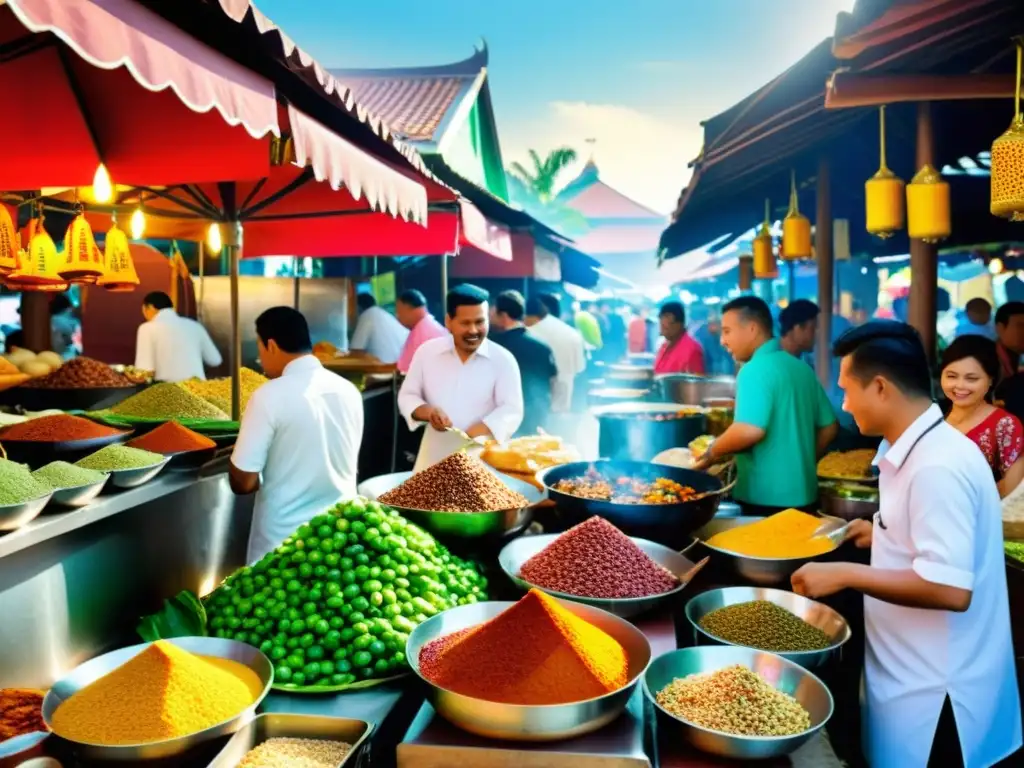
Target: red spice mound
[(535, 652), (81, 373), (596, 559), (172, 437), (55, 429)]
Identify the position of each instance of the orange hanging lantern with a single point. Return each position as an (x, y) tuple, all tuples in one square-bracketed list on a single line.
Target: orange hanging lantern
[(10, 242), (37, 267), (1007, 163), (796, 229), (83, 262), (883, 194), (120, 274), (928, 216), (764, 253)]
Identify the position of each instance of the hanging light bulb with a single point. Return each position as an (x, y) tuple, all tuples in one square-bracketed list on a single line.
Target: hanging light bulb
[(138, 224), (995, 267), (213, 239), (102, 187)]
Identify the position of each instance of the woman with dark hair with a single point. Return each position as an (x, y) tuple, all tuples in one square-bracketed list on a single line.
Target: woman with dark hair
[(970, 370)]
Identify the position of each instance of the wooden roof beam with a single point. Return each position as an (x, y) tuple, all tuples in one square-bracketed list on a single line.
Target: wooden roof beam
[(846, 90)]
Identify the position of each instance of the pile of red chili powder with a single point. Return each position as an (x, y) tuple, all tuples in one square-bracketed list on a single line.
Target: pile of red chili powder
[(596, 559), (535, 652), (57, 428), (172, 437)]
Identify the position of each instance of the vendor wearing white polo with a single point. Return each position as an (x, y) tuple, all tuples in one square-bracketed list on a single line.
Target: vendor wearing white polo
[(299, 441), (939, 670)]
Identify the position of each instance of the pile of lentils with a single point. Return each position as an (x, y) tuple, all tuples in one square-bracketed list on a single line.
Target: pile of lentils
[(168, 401), (764, 625), (81, 373), (596, 559), (734, 700), (114, 457), (282, 752), (60, 474), (17, 484), (460, 483)]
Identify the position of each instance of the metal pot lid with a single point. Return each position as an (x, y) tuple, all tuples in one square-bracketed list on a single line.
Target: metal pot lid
[(630, 409), (692, 377), (618, 392)]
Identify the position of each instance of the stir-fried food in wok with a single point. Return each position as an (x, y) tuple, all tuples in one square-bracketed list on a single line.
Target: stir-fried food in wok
[(625, 490)]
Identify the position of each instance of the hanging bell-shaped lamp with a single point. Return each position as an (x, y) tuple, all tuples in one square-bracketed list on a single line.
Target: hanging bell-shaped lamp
[(37, 267), (1007, 164), (796, 229), (120, 274), (83, 261), (764, 253), (10, 242), (883, 194), (928, 216)]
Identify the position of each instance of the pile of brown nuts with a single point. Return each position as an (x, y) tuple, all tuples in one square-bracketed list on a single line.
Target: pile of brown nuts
[(460, 483), (81, 373)]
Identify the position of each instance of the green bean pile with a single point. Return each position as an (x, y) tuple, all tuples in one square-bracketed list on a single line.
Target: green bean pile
[(764, 625)]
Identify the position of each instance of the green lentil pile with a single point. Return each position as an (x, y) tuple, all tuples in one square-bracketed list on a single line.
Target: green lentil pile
[(764, 625), (17, 484), (61, 474), (119, 457), (168, 401), (1015, 549)]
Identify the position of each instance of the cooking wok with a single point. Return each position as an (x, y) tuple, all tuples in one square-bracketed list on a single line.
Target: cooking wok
[(667, 524)]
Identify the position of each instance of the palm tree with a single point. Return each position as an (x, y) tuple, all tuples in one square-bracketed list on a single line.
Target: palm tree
[(542, 179), (534, 191)]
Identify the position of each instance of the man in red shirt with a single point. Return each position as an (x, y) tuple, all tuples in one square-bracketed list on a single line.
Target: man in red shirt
[(680, 352)]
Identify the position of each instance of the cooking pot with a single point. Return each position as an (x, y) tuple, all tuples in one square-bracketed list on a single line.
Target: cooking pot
[(688, 388), (640, 431), (615, 395), (629, 376)]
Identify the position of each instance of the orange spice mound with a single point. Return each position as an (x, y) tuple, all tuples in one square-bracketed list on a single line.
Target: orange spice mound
[(535, 652), (172, 437)]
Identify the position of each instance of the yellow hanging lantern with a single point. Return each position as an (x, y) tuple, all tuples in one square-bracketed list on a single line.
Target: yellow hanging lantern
[(10, 242), (120, 276), (1007, 163), (883, 194), (37, 267), (796, 229), (764, 254), (83, 262), (928, 216)]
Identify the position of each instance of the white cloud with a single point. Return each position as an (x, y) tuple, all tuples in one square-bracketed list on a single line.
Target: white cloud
[(643, 156)]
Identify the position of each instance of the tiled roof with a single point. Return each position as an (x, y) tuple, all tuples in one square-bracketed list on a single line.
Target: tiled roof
[(595, 199)]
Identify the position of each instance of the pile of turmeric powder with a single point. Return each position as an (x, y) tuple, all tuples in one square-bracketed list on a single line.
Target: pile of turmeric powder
[(162, 693), (785, 534)]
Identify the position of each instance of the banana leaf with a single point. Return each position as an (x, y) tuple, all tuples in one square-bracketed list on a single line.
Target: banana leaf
[(181, 616), (205, 426)]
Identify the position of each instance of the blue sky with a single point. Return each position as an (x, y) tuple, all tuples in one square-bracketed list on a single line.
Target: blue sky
[(636, 75)]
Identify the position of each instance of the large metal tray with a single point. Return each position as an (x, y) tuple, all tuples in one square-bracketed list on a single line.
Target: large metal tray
[(273, 725)]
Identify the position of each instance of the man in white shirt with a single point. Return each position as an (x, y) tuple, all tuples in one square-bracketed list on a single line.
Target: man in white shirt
[(377, 332), (940, 681), (566, 345), (301, 432), (462, 380), (174, 348)]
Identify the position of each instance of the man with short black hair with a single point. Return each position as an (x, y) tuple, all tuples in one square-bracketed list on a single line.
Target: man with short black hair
[(462, 381), (976, 320), (1010, 330), (174, 348), (298, 446), (798, 325), (535, 359), (680, 352), (940, 682), (377, 331), (411, 311), (783, 420)]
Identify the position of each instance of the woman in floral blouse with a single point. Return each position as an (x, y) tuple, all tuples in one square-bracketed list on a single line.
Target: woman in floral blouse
[(970, 367)]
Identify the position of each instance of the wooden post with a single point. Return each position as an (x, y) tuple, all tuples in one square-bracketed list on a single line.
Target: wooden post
[(35, 320), (924, 264), (296, 285), (826, 272), (233, 244), (746, 273)]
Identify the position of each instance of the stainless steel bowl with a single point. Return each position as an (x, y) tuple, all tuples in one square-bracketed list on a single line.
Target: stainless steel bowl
[(133, 478), (763, 571), (13, 516), (276, 726), (784, 675), (814, 613), (96, 668), (79, 495), (846, 507), (463, 525), (520, 722), (515, 554)]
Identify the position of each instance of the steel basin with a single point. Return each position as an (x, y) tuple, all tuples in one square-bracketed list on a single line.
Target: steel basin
[(640, 431), (690, 388)]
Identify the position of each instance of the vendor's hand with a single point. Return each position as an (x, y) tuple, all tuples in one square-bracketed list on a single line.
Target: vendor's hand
[(860, 532), (702, 462), (816, 580), (438, 419)]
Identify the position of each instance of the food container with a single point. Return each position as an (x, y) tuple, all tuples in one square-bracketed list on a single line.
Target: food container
[(640, 431), (38, 453), (13, 516), (846, 502), (89, 399), (630, 376), (720, 414), (616, 395), (274, 726), (133, 478), (79, 495), (515, 554), (690, 388), (19, 750), (666, 524), (520, 722), (463, 525), (814, 613), (96, 668), (762, 571), (786, 676), (190, 461)]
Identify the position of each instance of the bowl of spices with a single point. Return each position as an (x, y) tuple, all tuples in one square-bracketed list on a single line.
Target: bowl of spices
[(188, 449), (44, 438), (72, 486), (539, 669), (801, 630), (735, 702), (128, 467), (157, 700), (594, 563), (273, 740), (22, 497), (81, 383)]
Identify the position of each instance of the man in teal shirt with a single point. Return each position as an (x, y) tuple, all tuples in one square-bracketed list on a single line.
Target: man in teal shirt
[(783, 421)]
